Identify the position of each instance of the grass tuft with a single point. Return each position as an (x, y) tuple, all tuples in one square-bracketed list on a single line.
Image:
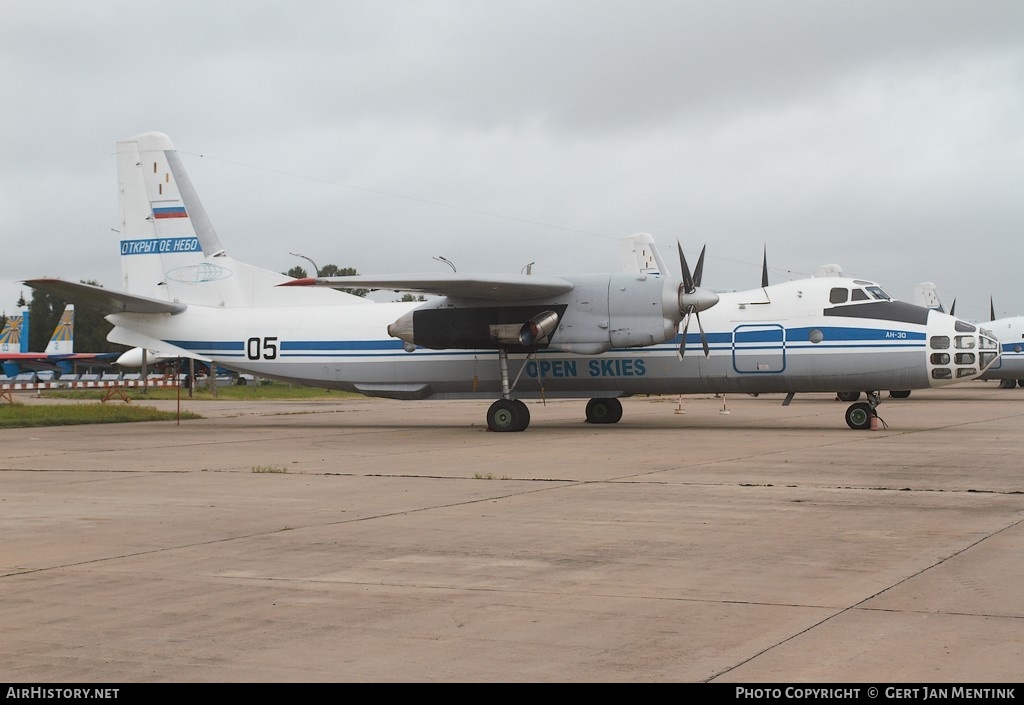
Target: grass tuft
[(31, 415), (269, 468)]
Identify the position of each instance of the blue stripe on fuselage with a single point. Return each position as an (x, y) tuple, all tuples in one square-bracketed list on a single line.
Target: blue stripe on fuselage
[(796, 339)]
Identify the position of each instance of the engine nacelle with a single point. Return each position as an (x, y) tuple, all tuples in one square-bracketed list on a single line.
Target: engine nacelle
[(530, 334), (601, 311)]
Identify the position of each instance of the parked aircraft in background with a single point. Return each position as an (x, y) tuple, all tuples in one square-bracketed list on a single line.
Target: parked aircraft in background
[(505, 336), (1009, 368), (59, 354)]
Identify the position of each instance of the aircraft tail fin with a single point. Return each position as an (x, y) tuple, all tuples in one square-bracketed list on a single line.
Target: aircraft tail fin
[(14, 336), (640, 253), (62, 342), (169, 249), (926, 294), (10, 336)]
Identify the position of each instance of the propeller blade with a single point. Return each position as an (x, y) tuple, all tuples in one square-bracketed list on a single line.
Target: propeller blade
[(991, 309), (952, 308), (703, 337), (687, 279), (682, 342), (764, 267), (700, 267)]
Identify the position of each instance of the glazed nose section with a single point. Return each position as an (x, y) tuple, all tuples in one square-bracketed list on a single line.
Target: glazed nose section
[(957, 350)]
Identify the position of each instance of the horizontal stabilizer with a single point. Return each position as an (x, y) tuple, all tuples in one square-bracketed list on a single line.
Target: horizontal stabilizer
[(478, 286), (104, 300)]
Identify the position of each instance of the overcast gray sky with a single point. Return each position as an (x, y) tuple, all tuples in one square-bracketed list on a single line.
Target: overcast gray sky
[(886, 137)]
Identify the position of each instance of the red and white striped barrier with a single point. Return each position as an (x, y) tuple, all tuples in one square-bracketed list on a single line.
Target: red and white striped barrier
[(40, 386)]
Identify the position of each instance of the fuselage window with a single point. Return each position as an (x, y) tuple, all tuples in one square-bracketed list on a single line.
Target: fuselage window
[(876, 292), (965, 342), (940, 342), (965, 358), (940, 358), (838, 296), (859, 295)]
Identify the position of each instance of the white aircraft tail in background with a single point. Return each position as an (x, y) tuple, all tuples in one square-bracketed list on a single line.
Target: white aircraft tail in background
[(507, 337), (926, 294), (640, 254)]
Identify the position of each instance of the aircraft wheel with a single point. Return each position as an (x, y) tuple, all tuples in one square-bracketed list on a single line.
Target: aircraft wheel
[(524, 414), (848, 396), (1007, 383), (604, 410), (859, 415), (508, 415), (899, 393)]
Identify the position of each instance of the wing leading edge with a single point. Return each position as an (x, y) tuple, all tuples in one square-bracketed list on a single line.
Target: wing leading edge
[(513, 287)]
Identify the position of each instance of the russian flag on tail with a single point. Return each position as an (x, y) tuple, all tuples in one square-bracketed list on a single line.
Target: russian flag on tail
[(169, 212)]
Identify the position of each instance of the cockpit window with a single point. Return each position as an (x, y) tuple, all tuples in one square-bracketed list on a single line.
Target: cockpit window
[(838, 296), (876, 292), (859, 295)]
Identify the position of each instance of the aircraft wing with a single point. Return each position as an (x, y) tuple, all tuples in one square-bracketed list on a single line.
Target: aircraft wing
[(464, 286), (105, 300)]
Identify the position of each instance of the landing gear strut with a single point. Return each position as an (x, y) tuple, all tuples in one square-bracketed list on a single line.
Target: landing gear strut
[(859, 415), (507, 414)]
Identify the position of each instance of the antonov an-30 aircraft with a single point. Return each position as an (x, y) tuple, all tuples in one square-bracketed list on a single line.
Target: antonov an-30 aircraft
[(505, 337)]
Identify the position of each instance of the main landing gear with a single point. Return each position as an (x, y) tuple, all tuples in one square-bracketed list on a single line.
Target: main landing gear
[(508, 414), (860, 415), (514, 415)]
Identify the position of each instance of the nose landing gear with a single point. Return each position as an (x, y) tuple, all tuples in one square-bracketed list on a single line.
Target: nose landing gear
[(860, 415)]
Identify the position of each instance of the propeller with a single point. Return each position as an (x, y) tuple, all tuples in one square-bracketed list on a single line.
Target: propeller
[(991, 309), (693, 299)]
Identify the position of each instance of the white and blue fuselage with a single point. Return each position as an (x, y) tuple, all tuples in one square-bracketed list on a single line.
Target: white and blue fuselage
[(788, 337)]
